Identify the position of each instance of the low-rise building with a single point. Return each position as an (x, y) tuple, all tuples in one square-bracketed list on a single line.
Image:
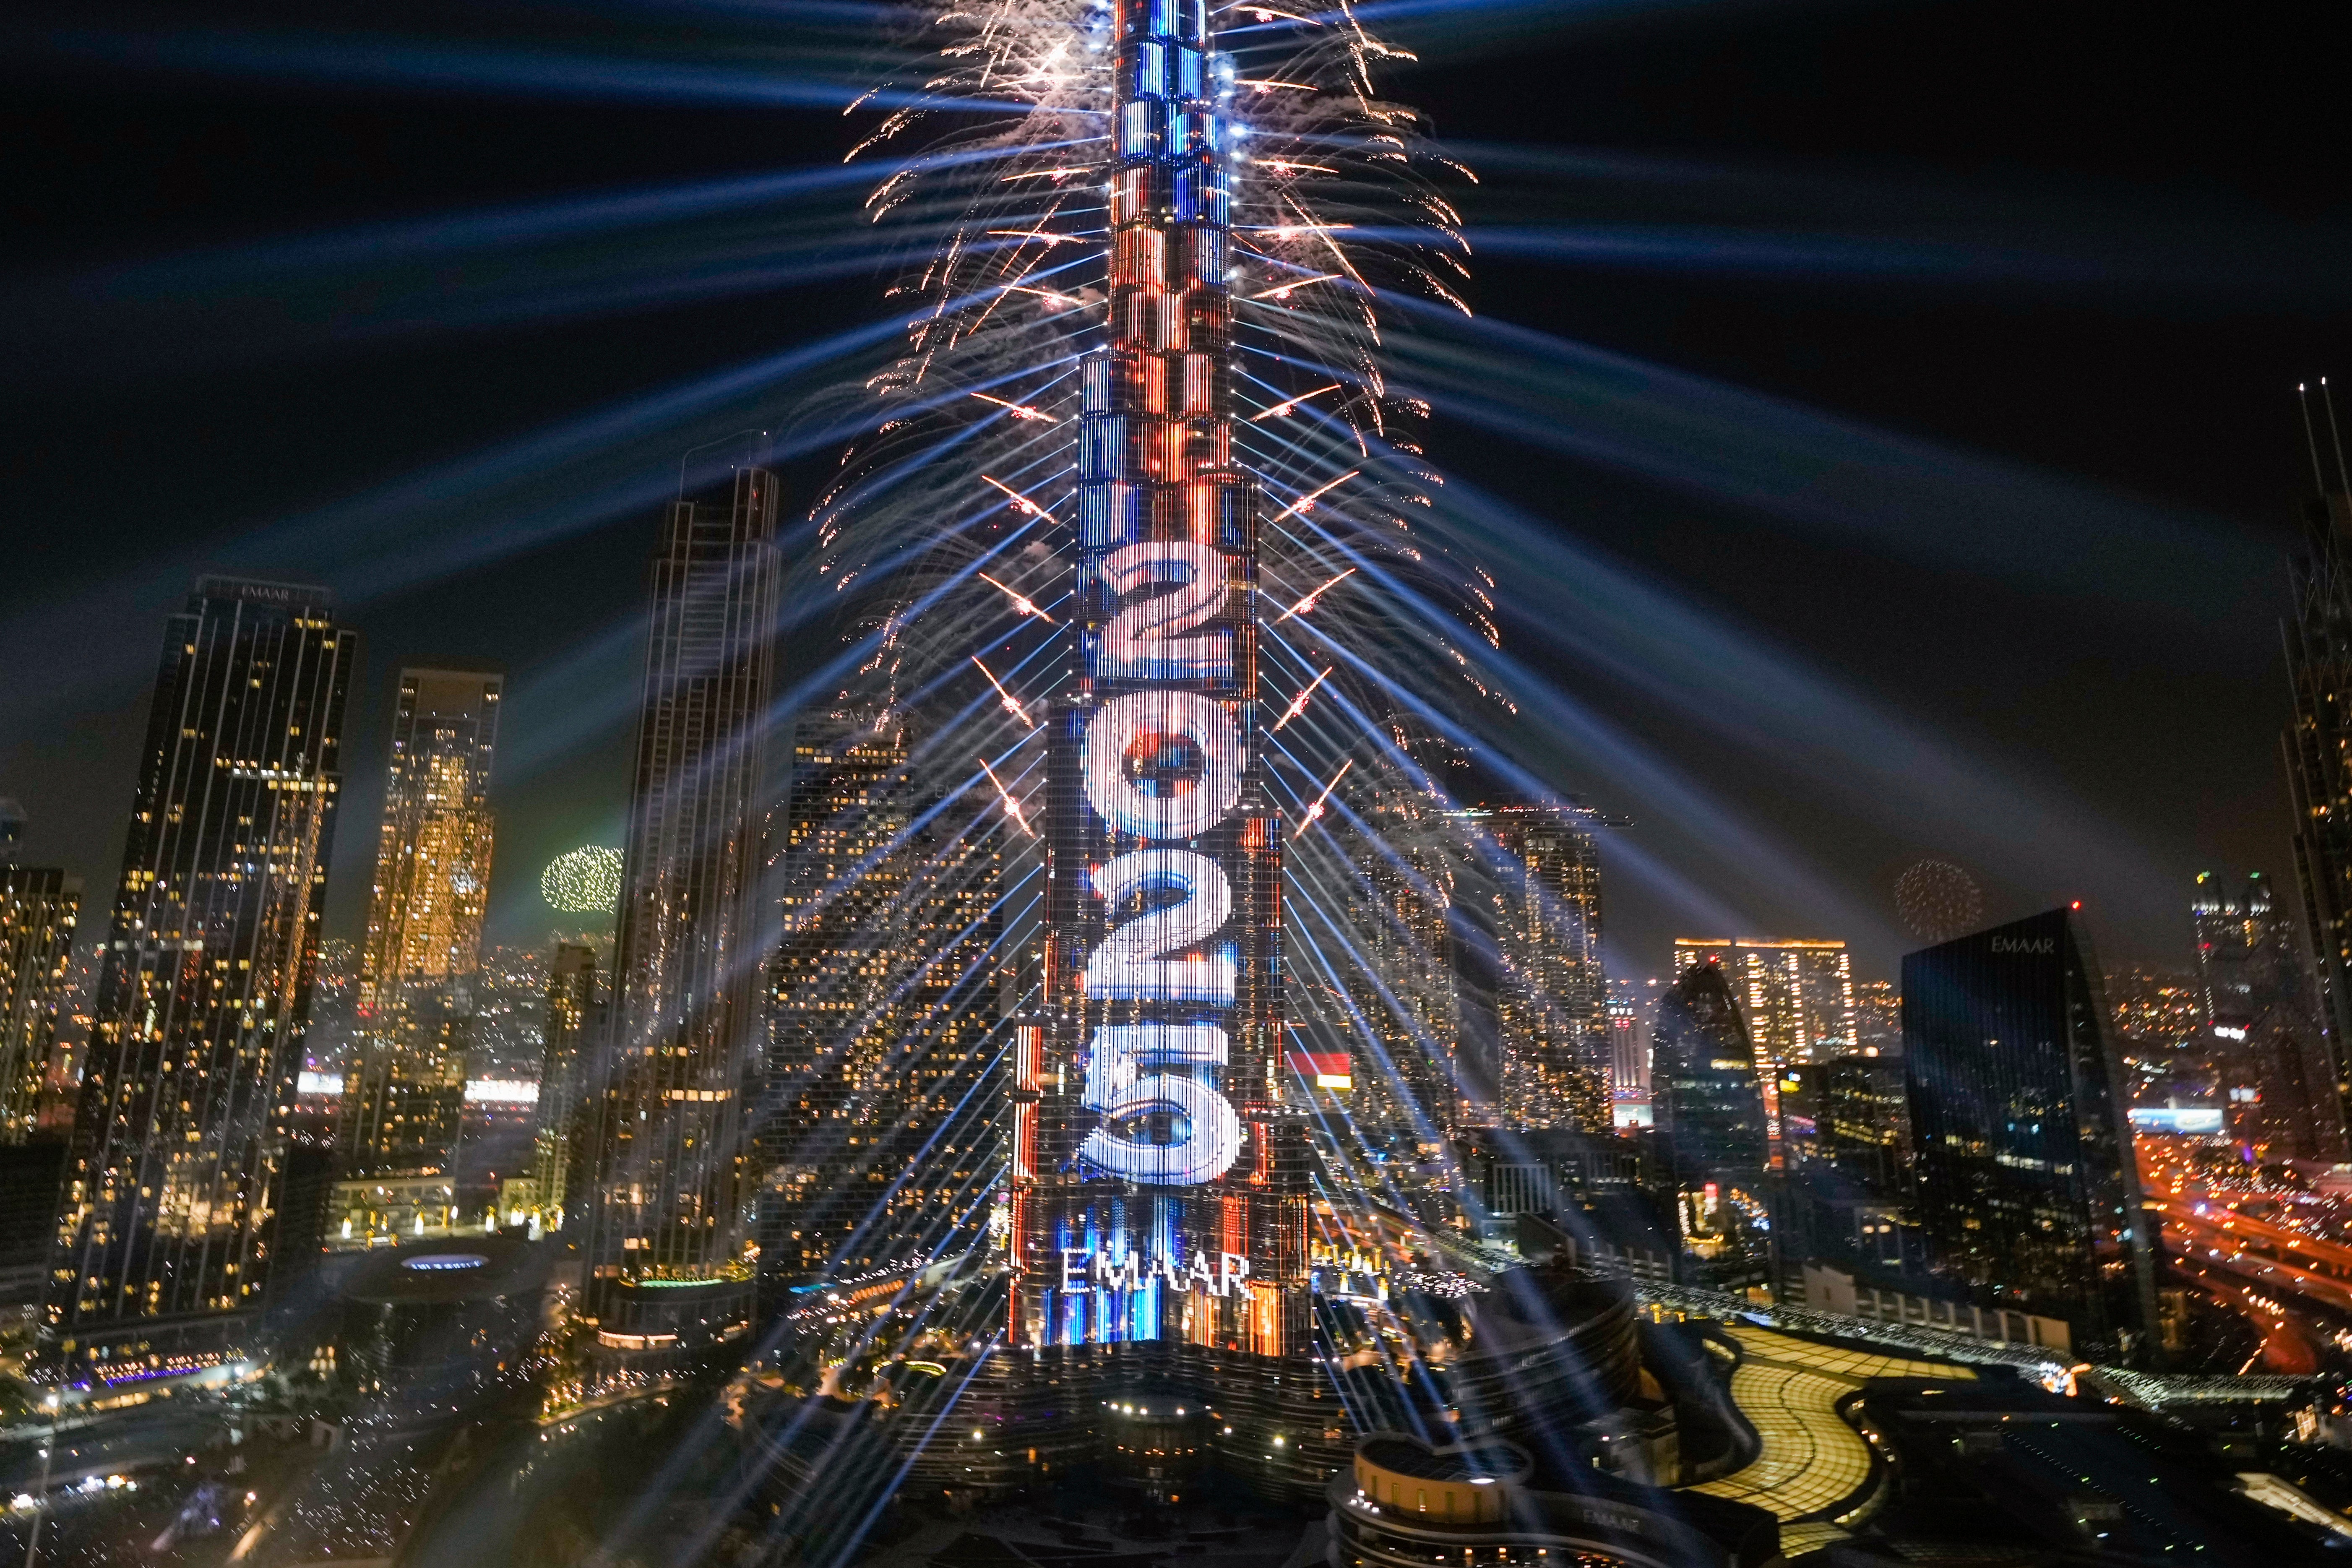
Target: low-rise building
[(1405, 1503)]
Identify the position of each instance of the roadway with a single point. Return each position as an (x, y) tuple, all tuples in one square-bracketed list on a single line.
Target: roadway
[(2249, 1251)]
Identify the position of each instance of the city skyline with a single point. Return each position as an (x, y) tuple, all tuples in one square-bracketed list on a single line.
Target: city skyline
[(1383, 782)]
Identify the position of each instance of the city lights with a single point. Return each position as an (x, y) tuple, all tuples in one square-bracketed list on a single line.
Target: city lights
[(1142, 1148)]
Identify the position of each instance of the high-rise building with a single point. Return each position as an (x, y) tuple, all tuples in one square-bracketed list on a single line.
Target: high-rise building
[(1550, 996), (1705, 1093), (2028, 1189), (40, 987), (166, 1235), (878, 1141), (2318, 746), (669, 1249), (2276, 1080), (570, 1030), (1159, 1182), (414, 1010), (1394, 1003), (38, 907), (1795, 996), (1628, 1051), (1877, 1018)]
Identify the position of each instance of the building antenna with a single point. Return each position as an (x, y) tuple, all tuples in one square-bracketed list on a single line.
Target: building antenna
[(2310, 435), (2335, 434)]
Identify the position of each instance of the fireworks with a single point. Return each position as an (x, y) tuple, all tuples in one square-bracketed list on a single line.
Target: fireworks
[(1938, 901), (956, 535), (585, 881)]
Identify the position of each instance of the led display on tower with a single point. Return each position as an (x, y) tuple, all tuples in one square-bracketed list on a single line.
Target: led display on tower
[(1158, 1194)]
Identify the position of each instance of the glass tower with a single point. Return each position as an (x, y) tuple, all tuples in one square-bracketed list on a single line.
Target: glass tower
[(165, 1233), (2028, 1190), (1159, 1188), (669, 1249), (1797, 997), (1705, 1093), (414, 1006)]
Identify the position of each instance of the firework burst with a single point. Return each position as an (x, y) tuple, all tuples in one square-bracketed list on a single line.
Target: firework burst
[(943, 542)]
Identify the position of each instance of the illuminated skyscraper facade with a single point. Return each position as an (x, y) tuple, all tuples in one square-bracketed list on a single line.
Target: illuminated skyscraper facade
[(1629, 1041), (414, 1009), (1551, 998), (669, 1249), (1797, 997), (1159, 1188), (2028, 1190), (165, 1236), (878, 1140), (2275, 1076), (570, 1032), (1877, 1018), (38, 907)]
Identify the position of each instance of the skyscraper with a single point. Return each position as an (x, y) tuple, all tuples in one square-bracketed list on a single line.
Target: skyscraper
[(1797, 997), (1550, 996), (1628, 1051), (877, 1142), (2318, 746), (165, 1236), (669, 1249), (1394, 1005), (1159, 1186), (38, 907), (2028, 1190), (414, 1006), (2276, 1079), (1877, 1018), (41, 986), (571, 1032), (1705, 1093)]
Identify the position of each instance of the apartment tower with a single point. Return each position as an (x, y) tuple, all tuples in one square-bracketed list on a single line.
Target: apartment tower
[(669, 1248), (166, 1231)]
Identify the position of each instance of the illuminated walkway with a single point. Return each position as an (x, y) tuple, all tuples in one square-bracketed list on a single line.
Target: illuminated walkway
[(1810, 1459)]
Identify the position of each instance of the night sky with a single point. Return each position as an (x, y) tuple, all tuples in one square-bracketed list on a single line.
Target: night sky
[(2070, 259)]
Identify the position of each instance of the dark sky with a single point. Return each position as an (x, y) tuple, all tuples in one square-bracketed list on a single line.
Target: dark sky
[(2097, 246)]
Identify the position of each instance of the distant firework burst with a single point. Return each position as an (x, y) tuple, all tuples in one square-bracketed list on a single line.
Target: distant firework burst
[(1938, 901), (584, 882)]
